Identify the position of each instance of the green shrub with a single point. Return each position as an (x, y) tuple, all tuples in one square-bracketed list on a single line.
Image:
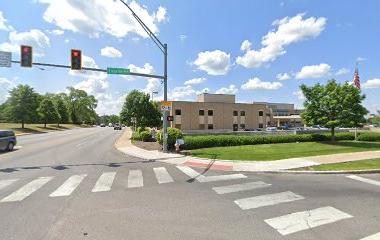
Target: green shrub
[(145, 136), (173, 135), (136, 136), (369, 137), (195, 142), (142, 129)]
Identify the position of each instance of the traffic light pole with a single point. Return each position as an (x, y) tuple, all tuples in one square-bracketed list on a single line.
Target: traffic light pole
[(164, 50)]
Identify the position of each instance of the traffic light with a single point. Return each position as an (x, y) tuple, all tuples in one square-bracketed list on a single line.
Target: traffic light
[(76, 59), (26, 56)]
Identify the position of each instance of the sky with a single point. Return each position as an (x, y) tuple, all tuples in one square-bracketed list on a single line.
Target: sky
[(258, 50)]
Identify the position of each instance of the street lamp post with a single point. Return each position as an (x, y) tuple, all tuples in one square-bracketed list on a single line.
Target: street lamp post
[(164, 50)]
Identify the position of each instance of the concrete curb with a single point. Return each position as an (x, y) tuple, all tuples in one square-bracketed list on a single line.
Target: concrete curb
[(374, 171)]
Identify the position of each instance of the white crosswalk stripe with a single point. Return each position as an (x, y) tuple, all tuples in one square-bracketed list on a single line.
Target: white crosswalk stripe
[(162, 175), (372, 237), (104, 182), (68, 186), (300, 221), (267, 200), (201, 178), (366, 180), (6, 183), (135, 179), (240, 187), (27, 190)]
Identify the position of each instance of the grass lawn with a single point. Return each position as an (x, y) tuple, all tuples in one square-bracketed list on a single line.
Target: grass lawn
[(37, 128), (266, 152), (356, 165)]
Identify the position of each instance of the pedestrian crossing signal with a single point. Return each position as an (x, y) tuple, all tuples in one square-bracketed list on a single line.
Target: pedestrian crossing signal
[(76, 59), (26, 56)]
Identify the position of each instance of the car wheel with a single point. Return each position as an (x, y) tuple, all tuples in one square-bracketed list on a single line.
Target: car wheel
[(10, 147)]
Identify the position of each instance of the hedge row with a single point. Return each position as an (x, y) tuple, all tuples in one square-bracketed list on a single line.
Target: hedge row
[(369, 137), (195, 142)]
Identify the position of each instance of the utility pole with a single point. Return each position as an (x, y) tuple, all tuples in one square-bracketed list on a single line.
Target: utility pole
[(164, 50)]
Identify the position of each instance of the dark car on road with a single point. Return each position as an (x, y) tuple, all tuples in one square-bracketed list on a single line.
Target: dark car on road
[(117, 127), (7, 140)]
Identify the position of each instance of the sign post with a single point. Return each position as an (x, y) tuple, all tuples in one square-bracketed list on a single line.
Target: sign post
[(166, 106), (5, 59)]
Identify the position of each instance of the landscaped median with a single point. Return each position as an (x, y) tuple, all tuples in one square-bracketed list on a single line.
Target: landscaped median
[(368, 164)]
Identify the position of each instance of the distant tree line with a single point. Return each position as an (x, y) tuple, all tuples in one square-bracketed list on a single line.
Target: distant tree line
[(25, 106)]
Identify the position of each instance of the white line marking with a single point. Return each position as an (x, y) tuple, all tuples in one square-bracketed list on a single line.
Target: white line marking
[(27, 190), (372, 237), (162, 175), (135, 179), (189, 171), (300, 221), (6, 183), (201, 178), (68, 186), (267, 200), (104, 182), (221, 177), (240, 187), (366, 180)]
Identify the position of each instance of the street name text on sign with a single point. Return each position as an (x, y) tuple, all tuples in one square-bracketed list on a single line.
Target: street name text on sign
[(120, 71), (5, 59), (166, 106)]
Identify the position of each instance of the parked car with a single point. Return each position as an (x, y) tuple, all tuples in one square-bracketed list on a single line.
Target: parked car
[(7, 140), (102, 125), (271, 129), (117, 127), (110, 125)]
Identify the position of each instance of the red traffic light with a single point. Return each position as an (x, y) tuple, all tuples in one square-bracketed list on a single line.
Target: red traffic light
[(75, 53), (76, 59), (26, 54), (25, 49)]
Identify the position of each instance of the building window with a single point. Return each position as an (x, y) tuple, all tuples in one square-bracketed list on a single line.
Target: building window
[(178, 112), (210, 113), (178, 126), (242, 126), (261, 113), (201, 127), (235, 113), (235, 127), (210, 126), (201, 112), (242, 113), (261, 125)]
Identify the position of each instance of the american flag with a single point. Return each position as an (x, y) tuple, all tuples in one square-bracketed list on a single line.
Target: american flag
[(357, 78)]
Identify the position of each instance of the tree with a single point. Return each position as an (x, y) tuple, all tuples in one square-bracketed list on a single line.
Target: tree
[(48, 112), (62, 111), (22, 104), (81, 106), (113, 119), (137, 106), (333, 105)]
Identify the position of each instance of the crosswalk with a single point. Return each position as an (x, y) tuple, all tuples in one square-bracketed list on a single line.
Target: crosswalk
[(290, 223)]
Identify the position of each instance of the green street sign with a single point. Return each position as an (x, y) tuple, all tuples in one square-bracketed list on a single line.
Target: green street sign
[(122, 71)]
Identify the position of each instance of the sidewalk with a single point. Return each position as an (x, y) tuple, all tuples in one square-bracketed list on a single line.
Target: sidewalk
[(125, 145)]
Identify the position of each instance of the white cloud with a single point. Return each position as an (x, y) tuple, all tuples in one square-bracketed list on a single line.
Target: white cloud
[(147, 69), (204, 90), (5, 86), (289, 31), (372, 83), (195, 81), (110, 52), (93, 86), (109, 104), (56, 32), (153, 85), (179, 93), (182, 37), (299, 95), (3, 23), (161, 14), (227, 90), (98, 16), (361, 59), (246, 45), (256, 83), (213, 62), (342, 71), (35, 38), (283, 76), (314, 71)]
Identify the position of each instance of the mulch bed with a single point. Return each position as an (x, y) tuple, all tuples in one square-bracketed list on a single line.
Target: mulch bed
[(147, 145)]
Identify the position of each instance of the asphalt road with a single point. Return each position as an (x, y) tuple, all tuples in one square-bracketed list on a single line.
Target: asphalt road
[(75, 185)]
